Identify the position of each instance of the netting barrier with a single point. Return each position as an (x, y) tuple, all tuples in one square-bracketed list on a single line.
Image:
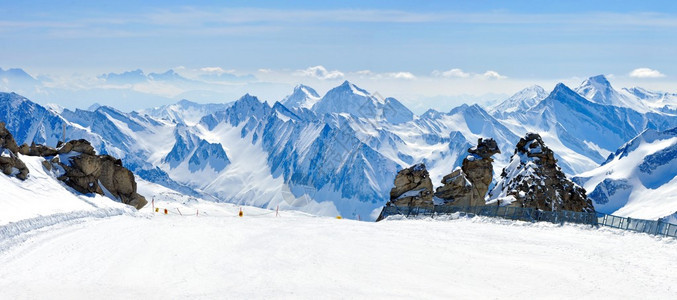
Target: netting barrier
[(655, 227)]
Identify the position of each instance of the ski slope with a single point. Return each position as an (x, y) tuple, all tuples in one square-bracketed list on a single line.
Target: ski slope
[(220, 255)]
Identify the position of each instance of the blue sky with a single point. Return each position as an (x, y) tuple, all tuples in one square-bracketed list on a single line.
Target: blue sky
[(520, 42)]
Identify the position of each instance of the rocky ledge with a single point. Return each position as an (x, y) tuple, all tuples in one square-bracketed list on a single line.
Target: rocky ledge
[(76, 164)]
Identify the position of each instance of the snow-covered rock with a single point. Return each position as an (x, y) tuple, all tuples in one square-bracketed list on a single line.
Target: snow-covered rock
[(533, 179)]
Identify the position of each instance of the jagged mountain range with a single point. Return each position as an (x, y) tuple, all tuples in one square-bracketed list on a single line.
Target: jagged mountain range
[(338, 153)]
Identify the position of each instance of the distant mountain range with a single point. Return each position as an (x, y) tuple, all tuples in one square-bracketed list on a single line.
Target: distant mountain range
[(339, 153), (131, 89)]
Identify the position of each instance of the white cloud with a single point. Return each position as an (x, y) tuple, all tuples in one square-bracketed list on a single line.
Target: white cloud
[(217, 70), (320, 72), (457, 73), (400, 75), (387, 75), (492, 75), (646, 73), (265, 71)]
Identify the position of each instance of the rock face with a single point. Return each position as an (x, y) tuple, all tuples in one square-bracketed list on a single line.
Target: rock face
[(76, 164), (533, 179), (412, 187), (10, 164), (87, 172), (468, 185)]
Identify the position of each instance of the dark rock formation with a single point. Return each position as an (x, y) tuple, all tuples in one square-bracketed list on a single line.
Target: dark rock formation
[(87, 172), (41, 150), (10, 164), (7, 140), (468, 185), (412, 187), (76, 164), (533, 179)]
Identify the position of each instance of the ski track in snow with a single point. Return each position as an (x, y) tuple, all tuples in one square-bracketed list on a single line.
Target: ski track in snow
[(298, 256)]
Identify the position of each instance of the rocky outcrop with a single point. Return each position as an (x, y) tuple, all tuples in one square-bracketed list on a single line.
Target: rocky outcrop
[(76, 164), (533, 179), (87, 172), (412, 187), (468, 185), (10, 164)]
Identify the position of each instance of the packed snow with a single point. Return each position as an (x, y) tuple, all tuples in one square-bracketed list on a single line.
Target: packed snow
[(220, 255)]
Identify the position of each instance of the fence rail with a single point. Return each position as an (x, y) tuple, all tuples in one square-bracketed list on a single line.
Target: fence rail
[(535, 215)]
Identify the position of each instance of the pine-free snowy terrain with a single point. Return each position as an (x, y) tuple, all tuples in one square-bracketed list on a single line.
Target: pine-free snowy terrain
[(56, 243), (263, 256)]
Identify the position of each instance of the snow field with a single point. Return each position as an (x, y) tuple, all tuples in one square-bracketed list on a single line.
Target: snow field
[(299, 256)]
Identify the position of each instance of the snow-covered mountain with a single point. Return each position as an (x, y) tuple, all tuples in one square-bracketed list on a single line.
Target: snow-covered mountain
[(520, 101), (16, 75), (128, 77), (350, 99), (661, 101), (639, 179), (582, 133), (184, 111), (338, 157), (138, 76), (302, 97), (17, 80), (599, 90)]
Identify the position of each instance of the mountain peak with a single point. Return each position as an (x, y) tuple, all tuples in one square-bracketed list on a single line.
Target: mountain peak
[(520, 101), (248, 98), (349, 87), (133, 76), (598, 89), (302, 97), (600, 79), (94, 106), (186, 103), (16, 73), (561, 88)]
